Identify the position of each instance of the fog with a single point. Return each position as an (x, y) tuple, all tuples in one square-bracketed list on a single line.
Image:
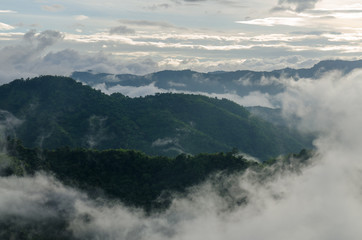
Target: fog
[(320, 201), (255, 98)]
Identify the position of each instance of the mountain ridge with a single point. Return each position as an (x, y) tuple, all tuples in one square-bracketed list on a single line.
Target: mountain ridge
[(58, 111), (241, 82)]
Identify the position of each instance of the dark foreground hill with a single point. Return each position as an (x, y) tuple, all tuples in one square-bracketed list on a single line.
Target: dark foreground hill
[(58, 111), (38, 206), (130, 176)]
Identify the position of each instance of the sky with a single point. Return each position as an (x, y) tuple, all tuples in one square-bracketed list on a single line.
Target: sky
[(140, 37)]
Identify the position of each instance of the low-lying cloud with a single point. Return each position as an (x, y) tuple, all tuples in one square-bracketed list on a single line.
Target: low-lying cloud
[(255, 98)]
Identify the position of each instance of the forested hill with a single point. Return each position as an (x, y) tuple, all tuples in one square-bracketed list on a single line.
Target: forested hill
[(58, 111)]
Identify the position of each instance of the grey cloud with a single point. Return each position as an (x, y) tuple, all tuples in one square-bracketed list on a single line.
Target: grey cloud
[(97, 131), (53, 8), (296, 5), (316, 33), (23, 59), (146, 23), (8, 125), (70, 60), (163, 142), (158, 6), (222, 2), (43, 39), (121, 30), (29, 58), (48, 38)]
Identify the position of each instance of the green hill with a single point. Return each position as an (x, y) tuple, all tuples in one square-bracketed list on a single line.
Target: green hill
[(131, 176), (58, 111), (137, 180)]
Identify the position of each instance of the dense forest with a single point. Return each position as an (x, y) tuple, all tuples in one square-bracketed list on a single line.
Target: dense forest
[(58, 111), (131, 177)]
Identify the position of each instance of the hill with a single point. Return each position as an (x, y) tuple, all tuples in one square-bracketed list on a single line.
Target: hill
[(130, 176), (58, 111)]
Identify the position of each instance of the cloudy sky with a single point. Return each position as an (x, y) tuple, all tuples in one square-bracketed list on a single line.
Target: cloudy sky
[(60, 36)]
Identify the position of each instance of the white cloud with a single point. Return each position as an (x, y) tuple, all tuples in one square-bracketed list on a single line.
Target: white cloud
[(273, 21), (131, 91), (53, 8), (252, 99), (81, 17), (4, 26), (7, 11)]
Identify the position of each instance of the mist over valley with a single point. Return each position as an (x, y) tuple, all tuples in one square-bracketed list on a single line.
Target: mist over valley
[(61, 180), (180, 120)]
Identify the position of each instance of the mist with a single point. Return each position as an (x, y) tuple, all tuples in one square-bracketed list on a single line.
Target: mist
[(255, 98), (322, 200)]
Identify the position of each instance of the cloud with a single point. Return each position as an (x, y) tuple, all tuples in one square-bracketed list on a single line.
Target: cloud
[(8, 125), (53, 8), (225, 3), (30, 58), (7, 11), (315, 33), (273, 21), (339, 112), (44, 39), (296, 5), (252, 99), (81, 17), (4, 26), (146, 23), (131, 91), (22, 59), (158, 6), (121, 30)]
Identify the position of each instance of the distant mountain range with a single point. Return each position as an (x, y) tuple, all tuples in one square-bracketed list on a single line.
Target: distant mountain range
[(239, 82), (52, 112)]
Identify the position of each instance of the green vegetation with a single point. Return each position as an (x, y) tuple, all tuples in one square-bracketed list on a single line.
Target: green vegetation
[(136, 179), (60, 112), (131, 176)]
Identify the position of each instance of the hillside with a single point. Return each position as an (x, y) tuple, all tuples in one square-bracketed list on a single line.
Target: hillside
[(58, 111), (66, 187), (127, 175)]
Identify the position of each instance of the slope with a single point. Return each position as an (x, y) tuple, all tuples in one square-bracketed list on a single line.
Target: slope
[(58, 111)]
